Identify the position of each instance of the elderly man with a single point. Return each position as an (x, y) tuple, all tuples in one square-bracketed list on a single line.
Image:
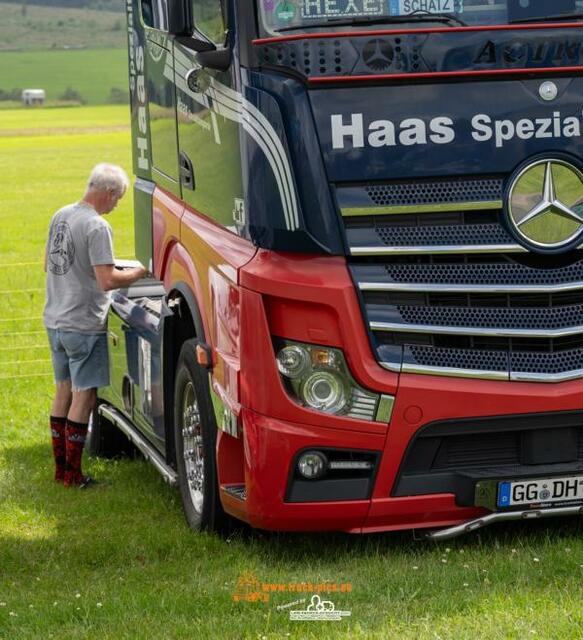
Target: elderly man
[(80, 270)]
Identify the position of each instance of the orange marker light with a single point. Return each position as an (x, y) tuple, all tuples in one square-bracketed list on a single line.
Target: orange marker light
[(323, 357), (203, 357)]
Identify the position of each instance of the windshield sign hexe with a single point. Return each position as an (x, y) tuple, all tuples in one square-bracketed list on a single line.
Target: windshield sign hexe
[(289, 15)]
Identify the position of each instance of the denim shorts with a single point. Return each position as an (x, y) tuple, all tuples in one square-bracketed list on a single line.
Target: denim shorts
[(82, 358)]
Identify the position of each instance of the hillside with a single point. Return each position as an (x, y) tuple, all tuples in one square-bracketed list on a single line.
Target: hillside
[(42, 28), (92, 73)]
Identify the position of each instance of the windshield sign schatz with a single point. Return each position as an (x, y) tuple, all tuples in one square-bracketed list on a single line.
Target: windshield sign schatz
[(408, 7)]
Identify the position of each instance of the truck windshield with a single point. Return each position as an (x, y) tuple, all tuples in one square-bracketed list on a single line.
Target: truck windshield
[(280, 16)]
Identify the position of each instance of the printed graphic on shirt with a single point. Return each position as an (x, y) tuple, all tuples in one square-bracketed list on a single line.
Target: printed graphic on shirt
[(62, 250)]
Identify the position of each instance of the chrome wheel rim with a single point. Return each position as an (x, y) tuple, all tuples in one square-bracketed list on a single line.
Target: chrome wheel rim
[(192, 447)]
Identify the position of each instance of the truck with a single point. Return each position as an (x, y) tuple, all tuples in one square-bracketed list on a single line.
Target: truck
[(364, 221)]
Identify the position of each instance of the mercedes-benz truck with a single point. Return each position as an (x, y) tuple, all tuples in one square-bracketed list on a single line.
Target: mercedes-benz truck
[(365, 222)]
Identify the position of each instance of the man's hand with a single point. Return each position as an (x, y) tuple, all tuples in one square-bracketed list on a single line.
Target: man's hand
[(109, 278)]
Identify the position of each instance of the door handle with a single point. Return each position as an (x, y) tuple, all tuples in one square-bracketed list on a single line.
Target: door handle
[(186, 172)]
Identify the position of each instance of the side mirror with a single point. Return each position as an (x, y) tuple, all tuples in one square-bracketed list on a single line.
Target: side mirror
[(219, 59), (179, 17)]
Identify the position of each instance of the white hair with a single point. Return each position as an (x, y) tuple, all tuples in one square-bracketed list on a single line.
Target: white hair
[(108, 177)]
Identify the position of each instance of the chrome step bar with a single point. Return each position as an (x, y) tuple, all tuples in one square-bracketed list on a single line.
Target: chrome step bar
[(135, 437), (505, 516)]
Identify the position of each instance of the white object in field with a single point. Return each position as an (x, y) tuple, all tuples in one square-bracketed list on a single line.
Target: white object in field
[(33, 97)]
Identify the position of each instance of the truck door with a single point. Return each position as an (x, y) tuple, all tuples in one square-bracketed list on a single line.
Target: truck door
[(208, 129)]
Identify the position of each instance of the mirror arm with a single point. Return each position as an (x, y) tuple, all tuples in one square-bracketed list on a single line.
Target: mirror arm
[(195, 44), (219, 59)]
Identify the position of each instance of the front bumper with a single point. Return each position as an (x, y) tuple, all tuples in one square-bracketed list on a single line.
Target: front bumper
[(271, 444)]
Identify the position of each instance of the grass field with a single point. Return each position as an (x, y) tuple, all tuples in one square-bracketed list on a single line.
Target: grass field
[(92, 72), (43, 28), (119, 561)]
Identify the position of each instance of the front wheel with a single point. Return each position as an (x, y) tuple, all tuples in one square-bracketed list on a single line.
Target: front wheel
[(195, 434)]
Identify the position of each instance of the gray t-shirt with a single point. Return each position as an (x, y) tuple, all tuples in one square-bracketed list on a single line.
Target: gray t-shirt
[(79, 239)]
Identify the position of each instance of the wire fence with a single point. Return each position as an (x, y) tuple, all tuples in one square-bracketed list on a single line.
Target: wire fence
[(19, 362), (7, 292), (21, 319), (28, 346), (27, 375), (9, 265), (12, 334)]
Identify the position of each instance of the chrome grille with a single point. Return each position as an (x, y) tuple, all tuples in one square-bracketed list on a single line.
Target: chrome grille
[(435, 191), (567, 319), (470, 234), (502, 275), (449, 292)]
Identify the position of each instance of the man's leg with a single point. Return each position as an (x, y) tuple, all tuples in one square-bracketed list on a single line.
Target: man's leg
[(59, 411), (61, 402), (76, 433)]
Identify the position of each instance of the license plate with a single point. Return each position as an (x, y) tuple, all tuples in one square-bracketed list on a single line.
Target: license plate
[(547, 490), (408, 7)]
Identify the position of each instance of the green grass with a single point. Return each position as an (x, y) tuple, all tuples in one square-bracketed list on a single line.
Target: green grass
[(119, 561), (45, 28), (92, 73), (69, 119)]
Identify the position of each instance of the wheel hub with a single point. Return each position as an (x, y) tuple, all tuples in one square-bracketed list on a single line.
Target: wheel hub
[(192, 447)]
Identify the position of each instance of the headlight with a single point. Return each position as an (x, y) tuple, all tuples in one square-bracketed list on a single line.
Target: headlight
[(292, 361), (319, 378), (324, 391)]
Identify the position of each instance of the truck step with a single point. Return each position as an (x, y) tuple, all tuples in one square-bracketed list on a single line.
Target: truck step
[(148, 451), (238, 491)]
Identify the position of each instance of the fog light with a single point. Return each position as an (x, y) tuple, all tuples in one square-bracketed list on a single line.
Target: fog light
[(324, 391), (292, 361), (312, 464)]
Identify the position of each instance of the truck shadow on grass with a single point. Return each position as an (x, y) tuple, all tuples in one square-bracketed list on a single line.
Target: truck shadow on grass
[(132, 498), (125, 544)]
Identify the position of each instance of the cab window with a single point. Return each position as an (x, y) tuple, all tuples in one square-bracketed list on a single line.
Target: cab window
[(155, 14), (209, 19)]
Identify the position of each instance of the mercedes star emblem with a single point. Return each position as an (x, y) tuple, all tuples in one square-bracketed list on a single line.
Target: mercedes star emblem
[(545, 205)]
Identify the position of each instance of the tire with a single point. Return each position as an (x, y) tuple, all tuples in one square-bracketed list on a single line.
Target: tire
[(195, 433), (105, 440)]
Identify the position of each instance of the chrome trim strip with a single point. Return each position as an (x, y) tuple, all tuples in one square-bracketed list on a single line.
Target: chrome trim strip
[(478, 374), (516, 376), (504, 516), (404, 250), (476, 331), (390, 366), (438, 207), (148, 451), (471, 288), (451, 372)]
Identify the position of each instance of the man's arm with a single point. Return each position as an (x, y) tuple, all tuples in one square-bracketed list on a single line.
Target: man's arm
[(108, 277)]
